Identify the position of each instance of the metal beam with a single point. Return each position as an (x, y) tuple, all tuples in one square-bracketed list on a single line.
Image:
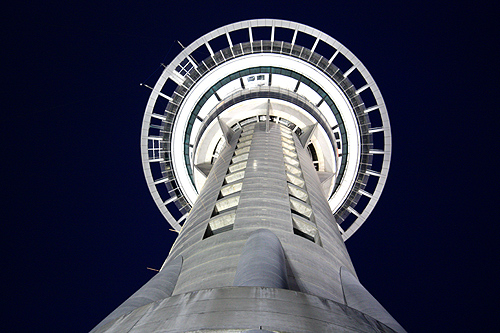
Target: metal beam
[(307, 133)]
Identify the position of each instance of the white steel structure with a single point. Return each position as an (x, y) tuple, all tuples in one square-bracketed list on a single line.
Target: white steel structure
[(259, 150), (182, 139)]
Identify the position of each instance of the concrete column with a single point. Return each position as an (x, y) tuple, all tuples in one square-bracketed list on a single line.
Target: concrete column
[(262, 262), (264, 200)]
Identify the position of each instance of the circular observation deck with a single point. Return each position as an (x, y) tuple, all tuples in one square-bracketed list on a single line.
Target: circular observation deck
[(247, 71)]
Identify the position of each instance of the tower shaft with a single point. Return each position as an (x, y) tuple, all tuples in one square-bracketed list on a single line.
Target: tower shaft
[(265, 158), (262, 180), (258, 250)]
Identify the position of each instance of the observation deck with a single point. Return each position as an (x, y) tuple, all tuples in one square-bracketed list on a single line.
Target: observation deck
[(279, 70)]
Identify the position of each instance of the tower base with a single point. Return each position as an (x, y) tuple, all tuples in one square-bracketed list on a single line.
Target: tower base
[(239, 309)]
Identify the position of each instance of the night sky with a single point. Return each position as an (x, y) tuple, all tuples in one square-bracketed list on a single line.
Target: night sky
[(81, 228)]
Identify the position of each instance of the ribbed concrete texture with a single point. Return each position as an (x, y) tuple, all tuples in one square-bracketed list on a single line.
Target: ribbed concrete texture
[(237, 309), (264, 197), (262, 262), (260, 250)]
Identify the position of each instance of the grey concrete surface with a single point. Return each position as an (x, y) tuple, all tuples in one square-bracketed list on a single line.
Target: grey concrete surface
[(262, 262), (244, 308), (258, 272)]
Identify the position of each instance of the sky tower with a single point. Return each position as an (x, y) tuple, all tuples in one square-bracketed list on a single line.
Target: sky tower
[(265, 144)]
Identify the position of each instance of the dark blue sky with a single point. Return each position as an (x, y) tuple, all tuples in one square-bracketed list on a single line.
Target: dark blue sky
[(81, 227)]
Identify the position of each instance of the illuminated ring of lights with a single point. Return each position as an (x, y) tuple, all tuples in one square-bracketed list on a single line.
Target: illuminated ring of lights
[(171, 73)]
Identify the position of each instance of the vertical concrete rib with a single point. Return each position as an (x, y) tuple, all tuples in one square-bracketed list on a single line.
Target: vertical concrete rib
[(325, 222), (195, 224), (264, 199), (262, 262)]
